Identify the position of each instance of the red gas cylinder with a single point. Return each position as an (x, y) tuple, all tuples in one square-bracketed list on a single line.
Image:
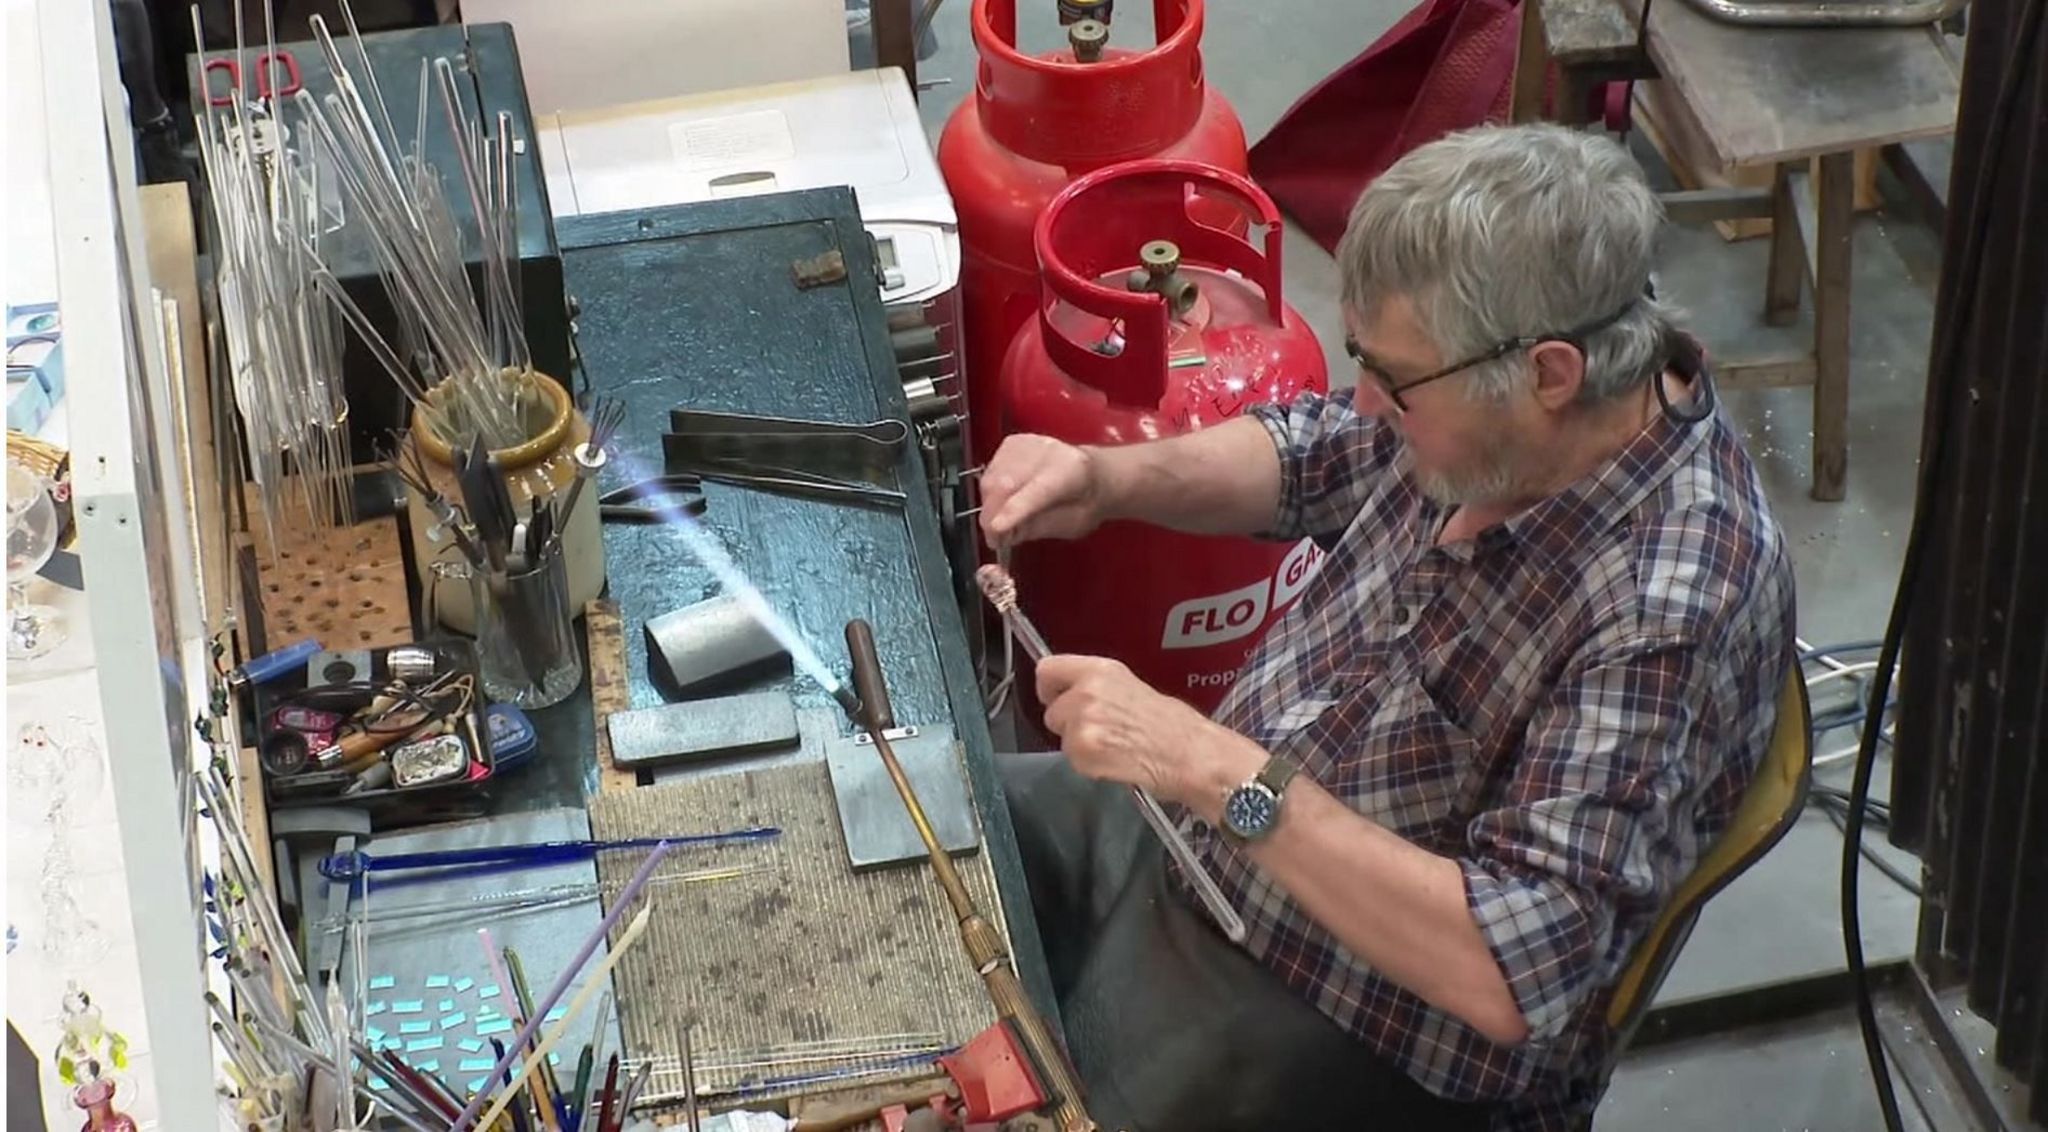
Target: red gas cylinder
[(1033, 124), (1155, 321)]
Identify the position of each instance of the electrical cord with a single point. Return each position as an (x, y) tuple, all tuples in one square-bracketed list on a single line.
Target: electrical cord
[(1946, 360), (1832, 654), (1844, 715), (1835, 804), (1831, 800)]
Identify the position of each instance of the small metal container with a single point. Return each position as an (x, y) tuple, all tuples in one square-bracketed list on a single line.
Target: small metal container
[(287, 752), (412, 664), (429, 760)]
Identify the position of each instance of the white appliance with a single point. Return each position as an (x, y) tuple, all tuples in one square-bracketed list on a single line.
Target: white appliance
[(859, 129), (578, 56)]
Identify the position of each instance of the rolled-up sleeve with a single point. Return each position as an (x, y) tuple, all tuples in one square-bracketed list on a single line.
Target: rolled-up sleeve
[(1329, 459), (1599, 818)]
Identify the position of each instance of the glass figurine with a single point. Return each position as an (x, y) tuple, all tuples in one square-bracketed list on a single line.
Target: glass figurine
[(52, 776), (84, 1055)]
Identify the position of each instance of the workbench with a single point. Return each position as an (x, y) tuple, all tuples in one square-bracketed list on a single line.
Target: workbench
[(1798, 101), (695, 306)]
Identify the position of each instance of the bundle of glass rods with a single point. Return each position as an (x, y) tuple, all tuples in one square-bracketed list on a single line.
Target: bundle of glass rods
[(455, 344), (284, 343)]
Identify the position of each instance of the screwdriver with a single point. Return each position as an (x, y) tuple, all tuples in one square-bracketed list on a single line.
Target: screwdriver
[(1001, 590)]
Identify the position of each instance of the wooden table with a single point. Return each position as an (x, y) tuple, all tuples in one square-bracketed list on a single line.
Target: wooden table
[(1799, 101)]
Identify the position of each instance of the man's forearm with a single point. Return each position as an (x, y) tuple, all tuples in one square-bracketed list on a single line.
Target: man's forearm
[(1398, 907), (1224, 479)]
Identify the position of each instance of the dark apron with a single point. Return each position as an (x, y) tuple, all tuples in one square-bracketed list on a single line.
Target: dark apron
[(1171, 1027)]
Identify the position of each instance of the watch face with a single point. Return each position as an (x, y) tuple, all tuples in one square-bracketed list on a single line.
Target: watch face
[(1250, 811)]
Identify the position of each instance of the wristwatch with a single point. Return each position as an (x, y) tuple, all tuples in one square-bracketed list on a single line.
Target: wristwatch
[(1253, 809)]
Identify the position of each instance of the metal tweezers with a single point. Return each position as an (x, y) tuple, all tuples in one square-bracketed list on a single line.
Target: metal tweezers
[(818, 459), (872, 448)]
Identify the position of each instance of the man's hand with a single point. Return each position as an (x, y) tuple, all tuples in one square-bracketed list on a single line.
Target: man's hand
[(1038, 487), (1113, 726)]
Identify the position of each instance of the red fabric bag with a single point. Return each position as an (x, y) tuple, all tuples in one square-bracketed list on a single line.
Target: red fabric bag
[(1447, 65)]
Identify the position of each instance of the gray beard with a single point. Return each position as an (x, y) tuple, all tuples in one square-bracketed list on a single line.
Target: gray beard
[(1492, 477)]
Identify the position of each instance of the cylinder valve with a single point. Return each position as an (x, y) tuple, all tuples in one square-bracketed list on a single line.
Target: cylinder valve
[(1161, 276), (1088, 38)]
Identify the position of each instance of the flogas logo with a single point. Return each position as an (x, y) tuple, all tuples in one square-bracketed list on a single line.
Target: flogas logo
[(1216, 618)]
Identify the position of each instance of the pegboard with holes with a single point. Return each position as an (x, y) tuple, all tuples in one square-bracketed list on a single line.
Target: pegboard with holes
[(345, 588)]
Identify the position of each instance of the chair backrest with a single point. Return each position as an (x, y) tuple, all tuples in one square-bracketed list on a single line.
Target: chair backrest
[(1768, 808)]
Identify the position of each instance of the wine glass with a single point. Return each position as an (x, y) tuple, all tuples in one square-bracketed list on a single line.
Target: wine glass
[(33, 630)]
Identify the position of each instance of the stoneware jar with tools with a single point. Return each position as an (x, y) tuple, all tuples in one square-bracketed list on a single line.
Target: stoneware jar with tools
[(556, 444)]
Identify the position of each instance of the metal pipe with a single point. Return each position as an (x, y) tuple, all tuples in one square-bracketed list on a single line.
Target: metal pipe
[(1829, 13)]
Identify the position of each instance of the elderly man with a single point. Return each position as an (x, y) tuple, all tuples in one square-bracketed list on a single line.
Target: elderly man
[(1451, 790)]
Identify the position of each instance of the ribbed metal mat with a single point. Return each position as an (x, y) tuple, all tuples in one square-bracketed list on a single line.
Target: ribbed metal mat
[(796, 974)]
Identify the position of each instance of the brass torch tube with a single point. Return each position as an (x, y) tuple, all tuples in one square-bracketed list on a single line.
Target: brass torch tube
[(984, 944)]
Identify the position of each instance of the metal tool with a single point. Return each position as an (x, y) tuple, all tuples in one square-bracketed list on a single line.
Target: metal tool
[(405, 459), (719, 727), (791, 481), (689, 1079), (797, 457), (606, 415), (986, 949), (1001, 591), (695, 434), (1809, 13), (877, 832), (712, 643)]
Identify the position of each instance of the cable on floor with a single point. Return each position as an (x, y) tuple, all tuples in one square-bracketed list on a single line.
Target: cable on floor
[(1830, 800), (1835, 804)]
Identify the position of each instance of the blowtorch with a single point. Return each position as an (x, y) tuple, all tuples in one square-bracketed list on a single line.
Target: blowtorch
[(867, 704)]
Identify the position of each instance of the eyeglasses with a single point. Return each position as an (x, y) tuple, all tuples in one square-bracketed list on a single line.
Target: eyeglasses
[(1575, 337)]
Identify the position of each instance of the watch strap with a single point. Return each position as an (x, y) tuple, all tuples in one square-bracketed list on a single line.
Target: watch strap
[(1277, 773)]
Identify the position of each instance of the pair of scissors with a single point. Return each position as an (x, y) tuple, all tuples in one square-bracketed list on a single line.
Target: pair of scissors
[(267, 66)]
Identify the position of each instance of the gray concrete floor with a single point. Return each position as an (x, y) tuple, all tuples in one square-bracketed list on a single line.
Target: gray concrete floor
[(1778, 921)]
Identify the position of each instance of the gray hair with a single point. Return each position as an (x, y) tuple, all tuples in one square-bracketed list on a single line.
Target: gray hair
[(1499, 232)]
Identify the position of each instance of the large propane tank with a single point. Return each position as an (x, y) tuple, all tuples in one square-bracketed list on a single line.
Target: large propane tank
[(1034, 123), (1155, 321)]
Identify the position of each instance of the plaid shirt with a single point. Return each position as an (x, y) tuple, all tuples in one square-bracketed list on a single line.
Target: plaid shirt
[(1569, 706)]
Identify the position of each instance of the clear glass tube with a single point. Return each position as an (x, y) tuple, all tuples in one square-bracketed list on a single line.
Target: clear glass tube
[(1191, 866)]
